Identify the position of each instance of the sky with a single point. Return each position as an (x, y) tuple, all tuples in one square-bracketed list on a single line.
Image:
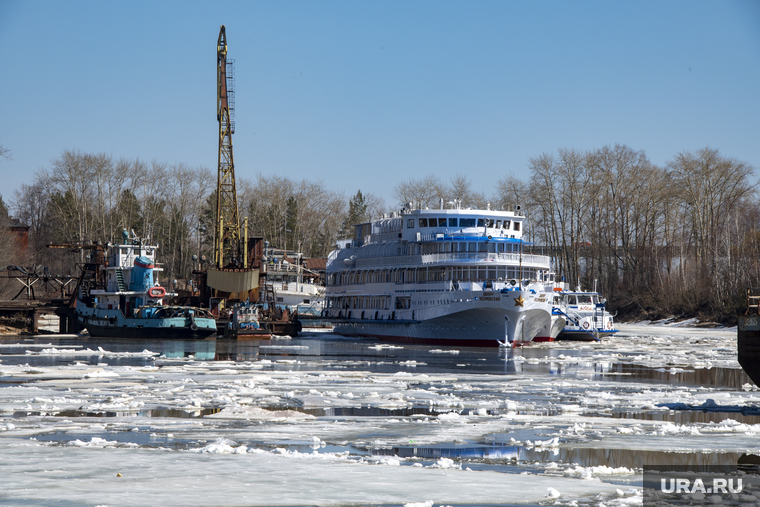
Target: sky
[(366, 95)]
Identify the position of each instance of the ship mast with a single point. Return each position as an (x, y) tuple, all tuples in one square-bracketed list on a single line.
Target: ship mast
[(227, 226)]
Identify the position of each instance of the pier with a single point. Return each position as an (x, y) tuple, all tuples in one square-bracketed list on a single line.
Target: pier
[(26, 315)]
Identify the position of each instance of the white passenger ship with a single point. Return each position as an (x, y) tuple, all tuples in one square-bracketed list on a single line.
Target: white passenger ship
[(441, 276)]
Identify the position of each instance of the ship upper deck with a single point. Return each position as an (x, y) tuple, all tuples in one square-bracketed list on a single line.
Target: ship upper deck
[(433, 236), (123, 256), (424, 224)]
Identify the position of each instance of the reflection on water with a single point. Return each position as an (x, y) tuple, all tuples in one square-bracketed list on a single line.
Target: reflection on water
[(494, 451), (690, 416), (324, 351), (586, 457), (156, 412), (630, 458), (199, 349)]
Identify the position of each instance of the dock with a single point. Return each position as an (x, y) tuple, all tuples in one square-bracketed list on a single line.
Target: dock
[(26, 315)]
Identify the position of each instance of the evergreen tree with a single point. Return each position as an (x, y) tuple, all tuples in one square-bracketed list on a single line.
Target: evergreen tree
[(357, 213), (4, 215)]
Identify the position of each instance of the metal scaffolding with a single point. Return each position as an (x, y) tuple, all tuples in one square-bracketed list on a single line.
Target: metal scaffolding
[(227, 248)]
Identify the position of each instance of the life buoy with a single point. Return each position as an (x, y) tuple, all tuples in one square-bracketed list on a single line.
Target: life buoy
[(193, 326), (609, 325), (157, 292), (585, 325)]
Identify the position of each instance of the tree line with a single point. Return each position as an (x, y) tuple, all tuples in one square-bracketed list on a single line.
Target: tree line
[(678, 239), (85, 197), (681, 239)]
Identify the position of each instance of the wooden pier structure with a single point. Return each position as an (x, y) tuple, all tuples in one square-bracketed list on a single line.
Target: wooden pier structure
[(25, 315)]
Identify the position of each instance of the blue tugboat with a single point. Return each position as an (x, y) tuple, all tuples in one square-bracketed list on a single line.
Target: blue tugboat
[(118, 297)]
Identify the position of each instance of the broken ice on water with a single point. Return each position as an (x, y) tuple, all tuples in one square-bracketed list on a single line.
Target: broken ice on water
[(323, 420)]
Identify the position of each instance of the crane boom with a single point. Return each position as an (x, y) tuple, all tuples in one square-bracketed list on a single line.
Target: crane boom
[(227, 249)]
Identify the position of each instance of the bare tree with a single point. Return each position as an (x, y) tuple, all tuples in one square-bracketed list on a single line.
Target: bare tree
[(712, 189), (425, 192), (5, 152)]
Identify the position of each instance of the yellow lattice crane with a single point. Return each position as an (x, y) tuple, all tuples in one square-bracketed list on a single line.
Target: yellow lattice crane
[(227, 240), (229, 277)]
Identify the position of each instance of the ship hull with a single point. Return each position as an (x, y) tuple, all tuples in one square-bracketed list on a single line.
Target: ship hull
[(748, 345), (557, 324), (477, 327), (112, 324)]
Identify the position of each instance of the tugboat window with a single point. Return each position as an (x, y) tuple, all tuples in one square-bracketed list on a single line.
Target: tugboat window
[(517, 226), (452, 222), (410, 223), (423, 222), (506, 224)]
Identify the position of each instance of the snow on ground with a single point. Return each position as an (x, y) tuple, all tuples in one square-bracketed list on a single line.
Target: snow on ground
[(326, 421)]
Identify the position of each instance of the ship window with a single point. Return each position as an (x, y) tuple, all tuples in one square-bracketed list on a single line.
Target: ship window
[(472, 247), (481, 222), (410, 223), (447, 247), (279, 300), (498, 224), (423, 222), (466, 222), (482, 247), (506, 224), (517, 226), (492, 247), (452, 222), (441, 222)]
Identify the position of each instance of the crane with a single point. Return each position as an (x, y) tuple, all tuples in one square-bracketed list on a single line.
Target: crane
[(227, 248), (229, 277)]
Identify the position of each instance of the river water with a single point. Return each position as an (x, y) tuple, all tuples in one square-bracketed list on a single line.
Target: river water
[(325, 420)]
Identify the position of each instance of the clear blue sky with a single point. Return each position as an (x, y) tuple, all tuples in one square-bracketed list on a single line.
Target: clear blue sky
[(363, 94)]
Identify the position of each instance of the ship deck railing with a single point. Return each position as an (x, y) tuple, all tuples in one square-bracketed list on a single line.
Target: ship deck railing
[(527, 260)]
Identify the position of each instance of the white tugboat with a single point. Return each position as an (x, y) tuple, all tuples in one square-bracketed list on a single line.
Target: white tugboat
[(441, 276), (586, 315), (118, 297)]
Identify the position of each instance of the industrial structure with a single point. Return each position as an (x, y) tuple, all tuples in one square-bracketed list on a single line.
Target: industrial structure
[(227, 232), (230, 277)]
